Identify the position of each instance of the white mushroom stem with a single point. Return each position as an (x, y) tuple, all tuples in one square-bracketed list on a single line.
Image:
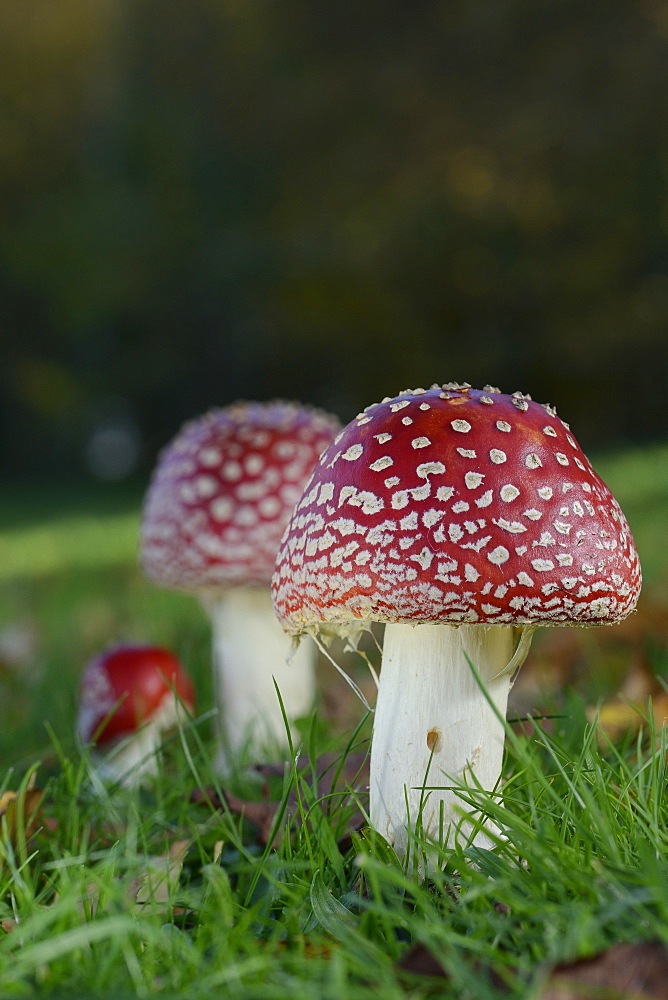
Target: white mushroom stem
[(250, 653), (135, 757), (434, 727)]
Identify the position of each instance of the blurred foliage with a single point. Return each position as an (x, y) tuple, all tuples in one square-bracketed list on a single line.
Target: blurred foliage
[(208, 199)]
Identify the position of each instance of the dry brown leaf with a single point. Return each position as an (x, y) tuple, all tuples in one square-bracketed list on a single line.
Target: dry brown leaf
[(309, 949), (618, 717), (20, 809), (154, 888), (561, 657), (262, 814), (420, 961), (637, 971)]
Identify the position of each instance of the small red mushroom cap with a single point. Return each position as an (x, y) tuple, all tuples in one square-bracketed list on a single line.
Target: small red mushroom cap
[(127, 686), (223, 491), (455, 505)]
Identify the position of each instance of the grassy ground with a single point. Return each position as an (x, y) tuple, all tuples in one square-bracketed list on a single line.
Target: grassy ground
[(151, 893)]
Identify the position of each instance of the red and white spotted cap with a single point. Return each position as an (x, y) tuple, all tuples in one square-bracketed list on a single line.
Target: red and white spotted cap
[(455, 505), (223, 491), (127, 687)]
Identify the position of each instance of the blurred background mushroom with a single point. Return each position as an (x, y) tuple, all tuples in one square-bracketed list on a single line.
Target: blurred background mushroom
[(220, 497), (130, 697)]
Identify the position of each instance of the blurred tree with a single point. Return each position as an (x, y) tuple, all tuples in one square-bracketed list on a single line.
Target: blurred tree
[(203, 199)]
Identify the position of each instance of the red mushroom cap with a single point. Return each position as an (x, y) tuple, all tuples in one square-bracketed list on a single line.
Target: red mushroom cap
[(456, 505), (135, 679), (223, 491)]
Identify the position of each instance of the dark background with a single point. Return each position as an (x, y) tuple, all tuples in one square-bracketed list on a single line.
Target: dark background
[(202, 200)]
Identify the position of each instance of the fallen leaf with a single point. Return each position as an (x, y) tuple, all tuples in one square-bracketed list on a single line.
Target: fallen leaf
[(618, 717), (562, 657), (260, 814), (154, 888), (637, 971), (420, 962), (20, 810), (309, 949), (353, 774)]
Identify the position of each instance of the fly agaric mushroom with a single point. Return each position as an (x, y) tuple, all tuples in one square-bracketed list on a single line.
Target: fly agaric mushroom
[(221, 495), (129, 697), (455, 516)]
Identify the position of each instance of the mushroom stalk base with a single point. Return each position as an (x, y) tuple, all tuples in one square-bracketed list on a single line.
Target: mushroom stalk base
[(136, 757), (434, 727), (250, 653)]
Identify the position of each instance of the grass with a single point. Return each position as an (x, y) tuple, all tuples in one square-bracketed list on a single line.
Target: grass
[(143, 893), (585, 864)]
